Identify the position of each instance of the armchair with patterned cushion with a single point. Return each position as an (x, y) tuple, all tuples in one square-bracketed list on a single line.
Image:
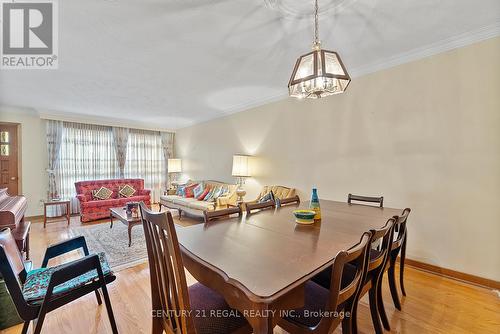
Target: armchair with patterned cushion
[(36, 292), (270, 196), (279, 192)]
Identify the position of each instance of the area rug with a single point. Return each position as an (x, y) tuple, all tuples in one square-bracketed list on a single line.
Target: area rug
[(114, 243)]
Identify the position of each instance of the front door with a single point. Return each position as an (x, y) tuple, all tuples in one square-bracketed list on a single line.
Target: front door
[(9, 158)]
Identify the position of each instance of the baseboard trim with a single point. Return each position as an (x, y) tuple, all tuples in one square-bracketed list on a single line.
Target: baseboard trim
[(457, 275)]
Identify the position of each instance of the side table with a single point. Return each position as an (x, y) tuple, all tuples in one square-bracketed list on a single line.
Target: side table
[(50, 202)]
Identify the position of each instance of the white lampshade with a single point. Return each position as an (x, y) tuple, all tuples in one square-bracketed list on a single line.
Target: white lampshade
[(241, 166), (174, 165)]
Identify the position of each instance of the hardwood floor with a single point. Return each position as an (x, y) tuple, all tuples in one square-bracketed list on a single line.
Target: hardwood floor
[(434, 304)]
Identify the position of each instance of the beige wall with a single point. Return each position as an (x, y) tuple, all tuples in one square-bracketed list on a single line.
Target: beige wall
[(426, 135), (33, 155)]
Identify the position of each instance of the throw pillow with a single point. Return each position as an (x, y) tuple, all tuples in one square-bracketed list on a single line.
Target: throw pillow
[(126, 191), (267, 197), (202, 196), (102, 193), (181, 191), (198, 190), (217, 192), (210, 195), (189, 190)]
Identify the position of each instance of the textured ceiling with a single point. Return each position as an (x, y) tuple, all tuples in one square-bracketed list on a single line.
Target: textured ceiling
[(173, 63)]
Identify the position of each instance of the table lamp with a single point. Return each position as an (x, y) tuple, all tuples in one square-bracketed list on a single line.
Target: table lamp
[(174, 169), (241, 171)]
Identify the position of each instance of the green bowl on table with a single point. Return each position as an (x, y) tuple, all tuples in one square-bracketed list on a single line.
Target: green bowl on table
[(304, 217)]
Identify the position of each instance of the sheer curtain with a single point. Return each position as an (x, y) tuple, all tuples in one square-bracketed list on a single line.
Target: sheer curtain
[(145, 160), (87, 153)]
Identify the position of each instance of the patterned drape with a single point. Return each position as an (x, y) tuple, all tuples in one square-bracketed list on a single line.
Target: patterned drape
[(167, 143), (54, 141), (120, 140)]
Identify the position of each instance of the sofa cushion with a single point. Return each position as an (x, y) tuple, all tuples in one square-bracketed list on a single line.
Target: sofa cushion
[(169, 198), (102, 203), (184, 201), (201, 205)]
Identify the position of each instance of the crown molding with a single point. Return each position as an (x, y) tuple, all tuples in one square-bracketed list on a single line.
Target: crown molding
[(448, 44), (455, 42)]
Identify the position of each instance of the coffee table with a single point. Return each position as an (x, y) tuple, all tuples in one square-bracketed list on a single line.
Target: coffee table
[(121, 214)]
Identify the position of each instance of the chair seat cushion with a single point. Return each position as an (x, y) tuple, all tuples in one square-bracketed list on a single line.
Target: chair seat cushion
[(315, 301), (37, 281), (212, 315)]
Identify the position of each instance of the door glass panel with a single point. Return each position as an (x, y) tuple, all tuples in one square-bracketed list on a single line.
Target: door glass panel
[(4, 149), (4, 137)]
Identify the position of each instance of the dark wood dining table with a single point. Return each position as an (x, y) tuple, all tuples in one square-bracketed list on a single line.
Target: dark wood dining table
[(260, 262)]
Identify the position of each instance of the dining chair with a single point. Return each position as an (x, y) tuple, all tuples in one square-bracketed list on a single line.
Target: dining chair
[(289, 201), (259, 206), (380, 246), (324, 309), (176, 307), (39, 291), (398, 248), (367, 199), (221, 214)]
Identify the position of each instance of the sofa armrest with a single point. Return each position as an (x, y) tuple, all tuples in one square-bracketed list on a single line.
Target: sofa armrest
[(144, 192), (81, 198)]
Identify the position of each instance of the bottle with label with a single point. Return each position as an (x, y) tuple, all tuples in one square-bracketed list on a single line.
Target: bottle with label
[(315, 205)]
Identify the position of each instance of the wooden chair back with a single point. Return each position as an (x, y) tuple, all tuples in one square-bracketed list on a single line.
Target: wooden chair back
[(381, 239), (221, 214), (400, 228), (259, 206), (290, 200), (169, 290), (367, 199), (357, 256)]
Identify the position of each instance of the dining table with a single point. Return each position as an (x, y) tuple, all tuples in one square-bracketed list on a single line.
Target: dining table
[(260, 262)]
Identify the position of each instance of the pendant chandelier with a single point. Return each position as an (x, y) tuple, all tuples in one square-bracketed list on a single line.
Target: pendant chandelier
[(318, 73)]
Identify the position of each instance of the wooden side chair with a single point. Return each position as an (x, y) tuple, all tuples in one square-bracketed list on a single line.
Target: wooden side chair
[(174, 305), (380, 242), (290, 201), (340, 297), (222, 214), (366, 199), (260, 206), (398, 248), (39, 291)]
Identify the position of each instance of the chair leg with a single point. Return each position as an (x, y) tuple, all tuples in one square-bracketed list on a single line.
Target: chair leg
[(159, 205), (348, 321), (372, 296), (26, 326), (98, 296), (109, 309), (381, 308), (402, 266), (39, 321), (392, 281), (354, 316)]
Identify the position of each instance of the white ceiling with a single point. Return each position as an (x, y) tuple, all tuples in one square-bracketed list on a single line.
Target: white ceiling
[(173, 63)]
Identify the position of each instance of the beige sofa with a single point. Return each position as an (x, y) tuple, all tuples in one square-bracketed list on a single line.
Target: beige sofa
[(195, 207)]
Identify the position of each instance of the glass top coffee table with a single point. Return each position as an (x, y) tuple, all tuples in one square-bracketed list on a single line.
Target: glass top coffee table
[(121, 214)]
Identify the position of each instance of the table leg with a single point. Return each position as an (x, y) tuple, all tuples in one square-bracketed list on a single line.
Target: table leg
[(111, 219), (263, 324), (68, 212), (44, 216), (129, 235)]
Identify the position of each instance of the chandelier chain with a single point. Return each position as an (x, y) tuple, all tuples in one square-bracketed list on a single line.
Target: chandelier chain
[(316, 24)]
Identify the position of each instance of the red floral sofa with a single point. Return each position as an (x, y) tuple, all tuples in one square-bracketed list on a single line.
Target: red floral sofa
[(91, 209)]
